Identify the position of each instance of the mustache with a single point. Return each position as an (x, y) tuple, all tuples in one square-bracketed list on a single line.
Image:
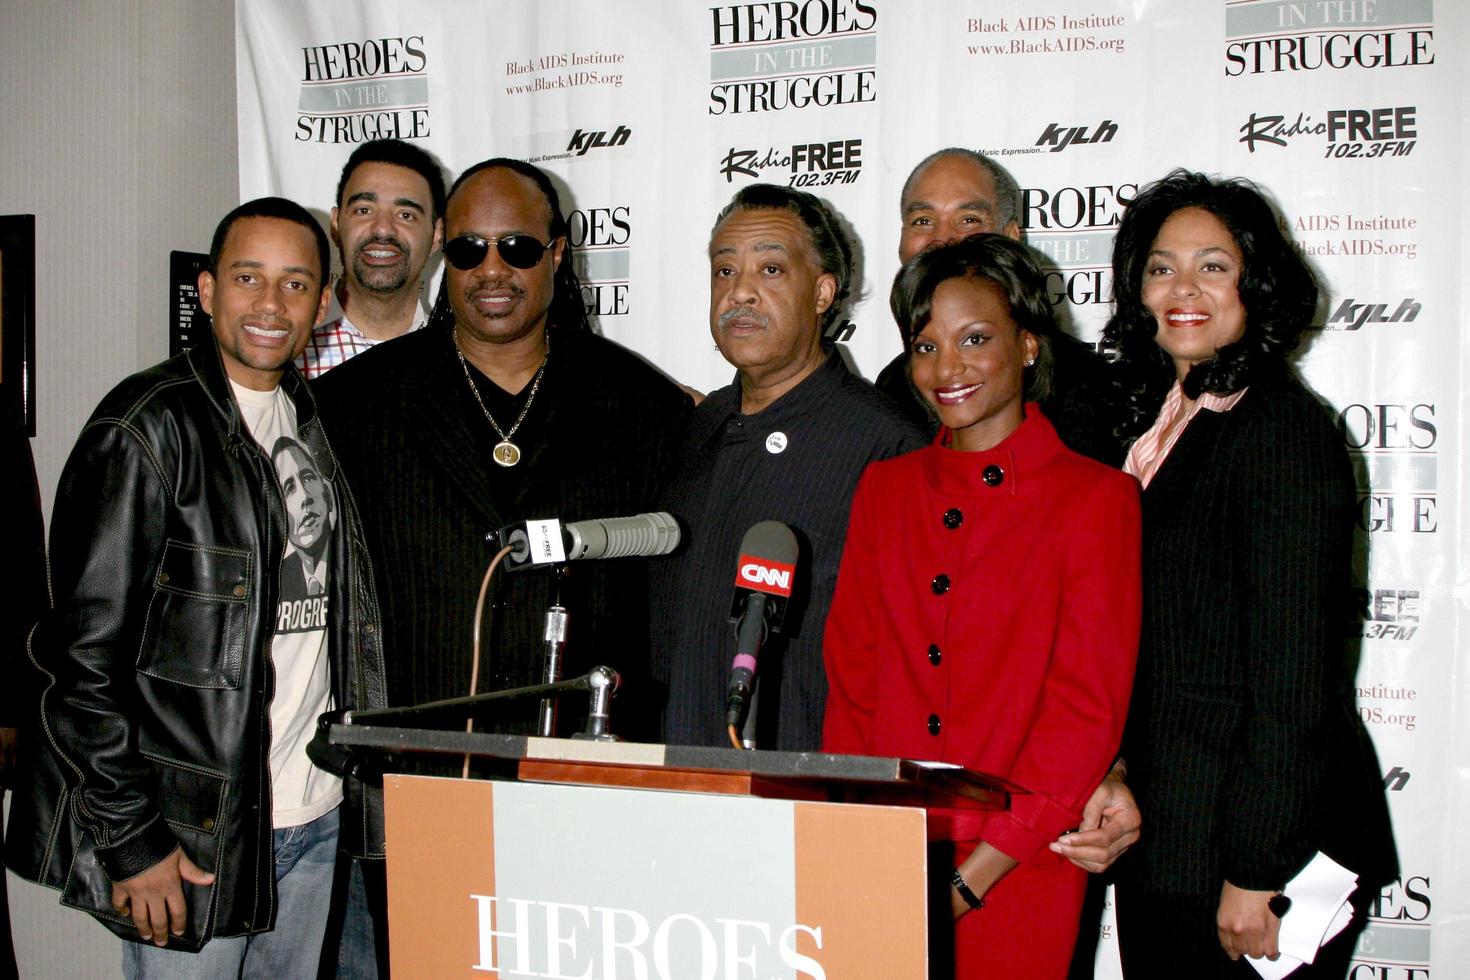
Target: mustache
[(744, 313), (506, 284), (383, 240)]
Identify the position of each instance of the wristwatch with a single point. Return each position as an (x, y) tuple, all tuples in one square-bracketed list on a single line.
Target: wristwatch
[(963, 887)]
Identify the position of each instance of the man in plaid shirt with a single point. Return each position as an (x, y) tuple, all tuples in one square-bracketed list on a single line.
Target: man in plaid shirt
[(387, 222)]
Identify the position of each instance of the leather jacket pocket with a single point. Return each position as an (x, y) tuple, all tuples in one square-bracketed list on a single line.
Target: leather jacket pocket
[(192, 800), (198, 617)]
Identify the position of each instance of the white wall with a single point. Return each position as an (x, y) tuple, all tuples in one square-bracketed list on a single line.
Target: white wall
[(120, 137)]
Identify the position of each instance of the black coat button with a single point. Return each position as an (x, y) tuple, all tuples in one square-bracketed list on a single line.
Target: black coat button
[(953, 518), (993, 475), (940, 585), (933, 724), (934, 655)]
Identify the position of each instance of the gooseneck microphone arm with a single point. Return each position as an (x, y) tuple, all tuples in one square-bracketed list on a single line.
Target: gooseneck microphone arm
[(599, 681)]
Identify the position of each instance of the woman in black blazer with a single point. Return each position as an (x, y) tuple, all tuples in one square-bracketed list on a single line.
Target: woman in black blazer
[(1243, 745)]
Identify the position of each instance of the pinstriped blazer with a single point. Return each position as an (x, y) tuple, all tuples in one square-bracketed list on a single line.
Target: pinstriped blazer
[(1243, 744)]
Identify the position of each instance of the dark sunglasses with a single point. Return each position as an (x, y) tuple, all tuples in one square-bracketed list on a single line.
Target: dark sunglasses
[(518, 251)]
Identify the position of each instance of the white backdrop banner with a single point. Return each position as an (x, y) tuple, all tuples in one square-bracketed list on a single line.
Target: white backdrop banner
[(1351, 113)]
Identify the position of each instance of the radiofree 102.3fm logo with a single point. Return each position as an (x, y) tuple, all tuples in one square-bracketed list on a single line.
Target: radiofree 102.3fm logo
[(1387, 612), (801, 165), (1377, 133)]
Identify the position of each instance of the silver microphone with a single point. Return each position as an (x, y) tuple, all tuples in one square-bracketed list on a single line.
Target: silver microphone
[(641, 536)]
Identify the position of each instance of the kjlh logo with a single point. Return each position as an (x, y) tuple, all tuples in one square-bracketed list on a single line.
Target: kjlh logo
[(807, 164), (582, 141), (361, 90), (768, 57), (1396, 779), (1058, 137), (1268, 36), (1351, 314), (603, 143)]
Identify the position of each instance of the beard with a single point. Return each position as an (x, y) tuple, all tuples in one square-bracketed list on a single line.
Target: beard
[(382, 278)]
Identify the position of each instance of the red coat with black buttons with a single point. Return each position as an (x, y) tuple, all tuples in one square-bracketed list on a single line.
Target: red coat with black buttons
[(987, 614)]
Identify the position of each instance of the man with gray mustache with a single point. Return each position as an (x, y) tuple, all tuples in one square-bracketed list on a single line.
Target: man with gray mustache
[(786, 441)]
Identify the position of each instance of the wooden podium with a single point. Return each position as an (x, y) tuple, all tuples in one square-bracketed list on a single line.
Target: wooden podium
[(601, 860)]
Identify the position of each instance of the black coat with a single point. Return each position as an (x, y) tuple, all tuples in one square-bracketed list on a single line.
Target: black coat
[(1243, 745), (154, 731), (597, 442)]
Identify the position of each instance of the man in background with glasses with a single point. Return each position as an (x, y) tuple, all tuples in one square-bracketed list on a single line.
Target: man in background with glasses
[(505, 407), (388, 221)]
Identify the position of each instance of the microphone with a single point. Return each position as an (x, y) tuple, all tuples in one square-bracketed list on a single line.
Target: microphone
[(763, 579), (545, 542)]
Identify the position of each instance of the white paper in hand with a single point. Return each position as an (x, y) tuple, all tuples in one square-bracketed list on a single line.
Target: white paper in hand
[(1319, 911)]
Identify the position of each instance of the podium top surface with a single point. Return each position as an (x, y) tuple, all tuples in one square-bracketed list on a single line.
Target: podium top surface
[(816, 767)]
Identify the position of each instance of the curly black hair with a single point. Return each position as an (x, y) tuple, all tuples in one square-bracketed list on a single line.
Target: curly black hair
[(995, 258), (1276, 287)]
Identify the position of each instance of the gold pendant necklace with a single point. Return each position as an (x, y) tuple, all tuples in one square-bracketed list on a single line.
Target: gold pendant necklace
[(505, 453)]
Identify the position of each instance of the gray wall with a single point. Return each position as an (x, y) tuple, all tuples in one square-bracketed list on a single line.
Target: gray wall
[(120, 137)]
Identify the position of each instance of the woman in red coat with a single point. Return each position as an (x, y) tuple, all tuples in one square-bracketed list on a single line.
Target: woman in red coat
[(987, 606)]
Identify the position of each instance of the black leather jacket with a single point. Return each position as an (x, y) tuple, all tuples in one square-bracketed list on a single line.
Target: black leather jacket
[(166, 540)]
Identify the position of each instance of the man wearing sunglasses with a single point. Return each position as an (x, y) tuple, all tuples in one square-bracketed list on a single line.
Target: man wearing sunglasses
[(387, 222), (505, 407)]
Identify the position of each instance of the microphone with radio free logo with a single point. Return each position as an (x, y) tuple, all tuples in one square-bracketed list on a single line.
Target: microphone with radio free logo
[(763, 579), (545, 542)]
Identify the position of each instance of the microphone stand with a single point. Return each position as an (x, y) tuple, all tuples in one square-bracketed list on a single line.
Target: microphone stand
[(555, 636), (600, 683)]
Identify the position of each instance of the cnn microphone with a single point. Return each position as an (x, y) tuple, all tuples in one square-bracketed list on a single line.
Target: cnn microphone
[(763, 579), (545, 542)]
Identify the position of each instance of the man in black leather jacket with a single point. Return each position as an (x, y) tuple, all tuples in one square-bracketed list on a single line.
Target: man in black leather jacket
[(161, 761)]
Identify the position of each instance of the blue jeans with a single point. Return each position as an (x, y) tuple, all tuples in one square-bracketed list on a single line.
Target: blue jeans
[(304, 859), (362, 954)]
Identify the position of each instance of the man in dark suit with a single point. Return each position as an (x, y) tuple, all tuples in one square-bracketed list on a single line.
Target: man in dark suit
[(505, 407), (786, 441)]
